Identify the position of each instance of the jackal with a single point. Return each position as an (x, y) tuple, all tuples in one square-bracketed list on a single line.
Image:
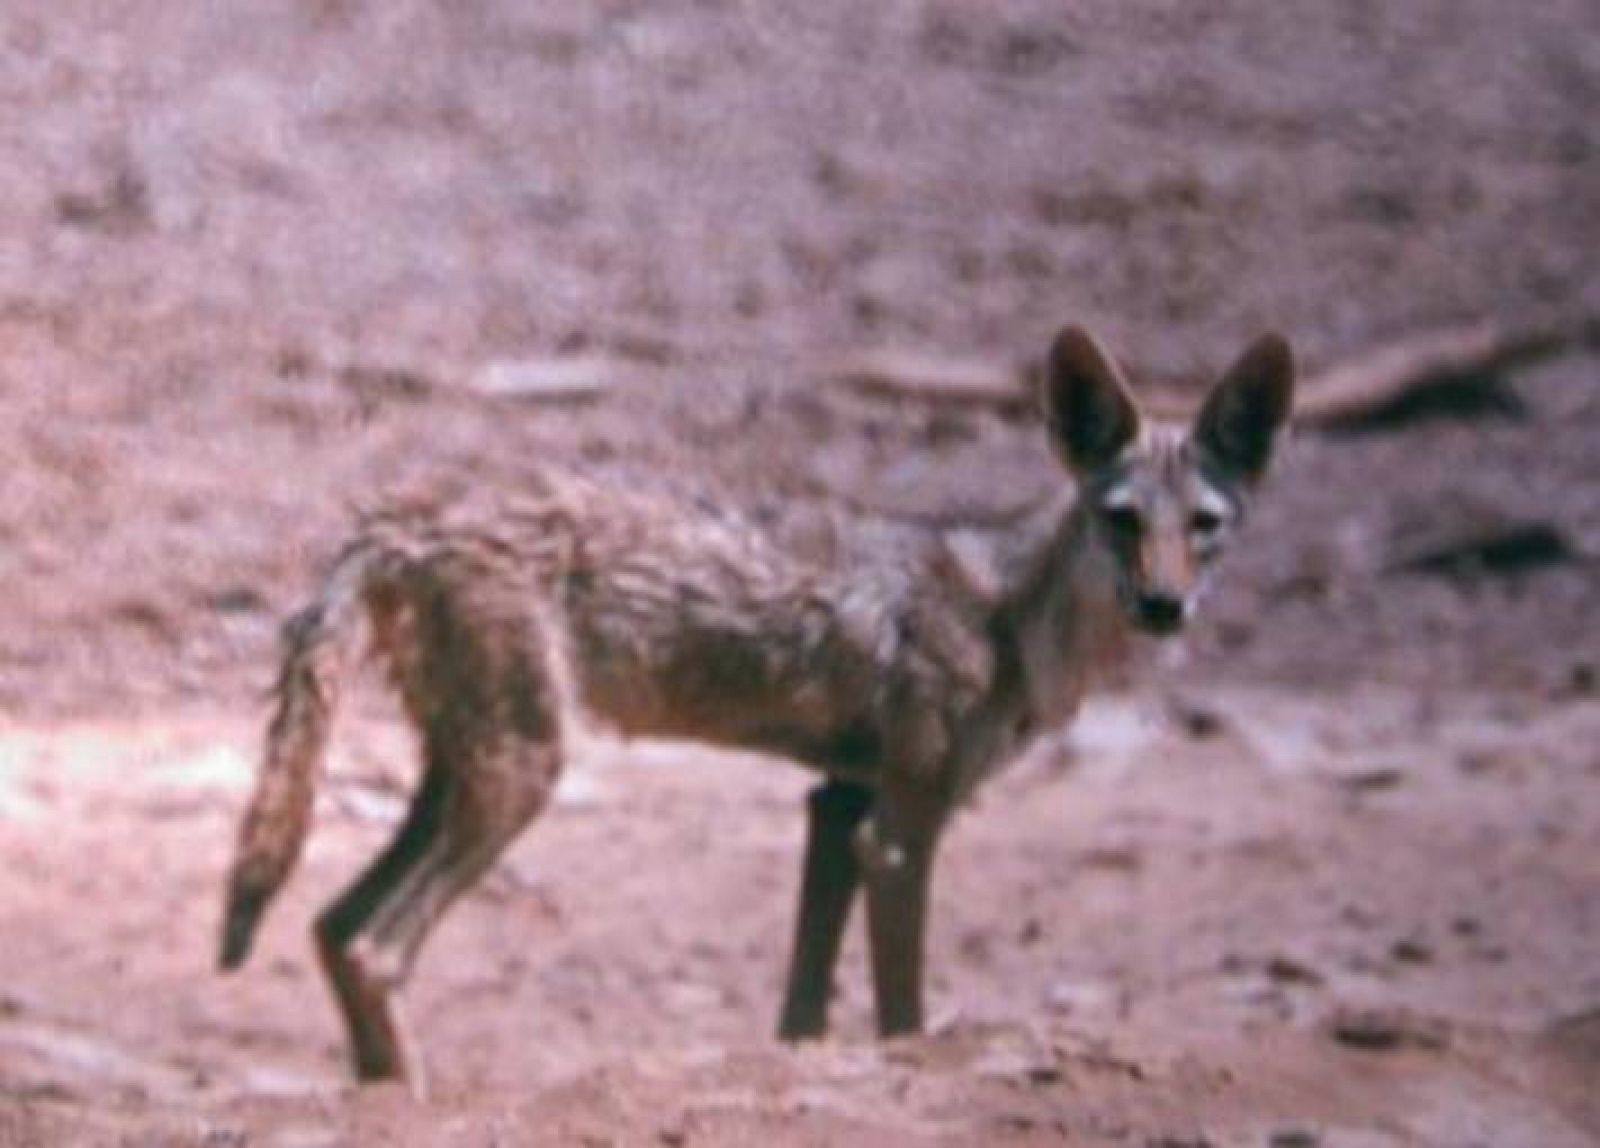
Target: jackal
[(499, 620)]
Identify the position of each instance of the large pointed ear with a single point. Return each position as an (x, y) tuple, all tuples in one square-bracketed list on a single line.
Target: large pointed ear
[(1086, 403), (1241, 419)]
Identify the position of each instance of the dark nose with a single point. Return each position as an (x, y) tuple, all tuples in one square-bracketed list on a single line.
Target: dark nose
[(1160, 613)]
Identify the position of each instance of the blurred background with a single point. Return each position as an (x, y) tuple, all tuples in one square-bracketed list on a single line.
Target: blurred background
[(261, 262), (257, 259)]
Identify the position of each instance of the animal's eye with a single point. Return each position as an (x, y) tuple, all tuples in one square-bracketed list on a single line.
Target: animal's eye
[(1205, 522), (1123, 520)]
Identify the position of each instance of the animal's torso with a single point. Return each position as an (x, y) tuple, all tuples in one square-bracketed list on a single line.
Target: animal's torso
[(664, 617)]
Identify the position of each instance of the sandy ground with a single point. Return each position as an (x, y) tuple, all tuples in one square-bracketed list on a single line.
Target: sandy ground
[(1325, 875), (1283, 931)]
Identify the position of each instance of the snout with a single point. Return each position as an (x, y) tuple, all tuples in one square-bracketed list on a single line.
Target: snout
[(1159, 613)]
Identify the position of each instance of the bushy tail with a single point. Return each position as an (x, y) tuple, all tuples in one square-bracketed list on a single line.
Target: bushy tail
[(321, 644)]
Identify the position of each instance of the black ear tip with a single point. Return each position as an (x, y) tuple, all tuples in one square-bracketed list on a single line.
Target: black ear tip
[(1086, 404), (1269, 365), (1274, 351), (1072, 343), (1076, 355)]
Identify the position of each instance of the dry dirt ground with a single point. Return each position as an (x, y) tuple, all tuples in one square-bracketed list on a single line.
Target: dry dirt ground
[(1327, 875)]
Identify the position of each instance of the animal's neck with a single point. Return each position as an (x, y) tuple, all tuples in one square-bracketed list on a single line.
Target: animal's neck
[(1062, 616)]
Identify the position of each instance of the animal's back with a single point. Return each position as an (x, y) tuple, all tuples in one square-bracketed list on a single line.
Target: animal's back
[(668, 617)]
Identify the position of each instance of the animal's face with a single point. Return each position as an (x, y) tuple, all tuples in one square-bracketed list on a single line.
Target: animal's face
[(1164, 522), (1163, 502)]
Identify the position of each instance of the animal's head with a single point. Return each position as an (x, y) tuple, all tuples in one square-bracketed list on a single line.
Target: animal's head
[(1163, 502)]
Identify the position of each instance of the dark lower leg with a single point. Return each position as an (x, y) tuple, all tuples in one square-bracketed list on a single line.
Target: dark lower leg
[(488, 804), (899, 868), (378, 1044), (831, 875)]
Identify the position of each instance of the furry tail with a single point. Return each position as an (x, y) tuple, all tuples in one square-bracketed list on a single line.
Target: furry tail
[(321, 645)]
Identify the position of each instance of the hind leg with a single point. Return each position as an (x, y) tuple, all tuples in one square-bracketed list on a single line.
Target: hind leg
[(467, 811), (379, 1044)]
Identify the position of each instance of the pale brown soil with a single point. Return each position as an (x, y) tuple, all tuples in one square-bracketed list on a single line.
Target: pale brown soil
[(1326, 876)]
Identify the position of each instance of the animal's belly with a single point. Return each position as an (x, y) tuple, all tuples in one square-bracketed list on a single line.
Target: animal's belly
[(799, 721)]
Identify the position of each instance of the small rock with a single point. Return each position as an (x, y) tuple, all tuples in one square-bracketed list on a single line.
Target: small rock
[(1045, 1074), (383, 382), (564, 379), (1288, 970), (1386, 1030), (1078, 997), (688, 997), (1293, 1138), (1501, 549), (1119, 858), (1483, 761), (1007, 1063), (1411, 952), (1196, 719), (1371, 780)]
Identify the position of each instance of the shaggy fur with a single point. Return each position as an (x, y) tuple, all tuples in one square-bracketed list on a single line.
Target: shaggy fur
[(497, 619)]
